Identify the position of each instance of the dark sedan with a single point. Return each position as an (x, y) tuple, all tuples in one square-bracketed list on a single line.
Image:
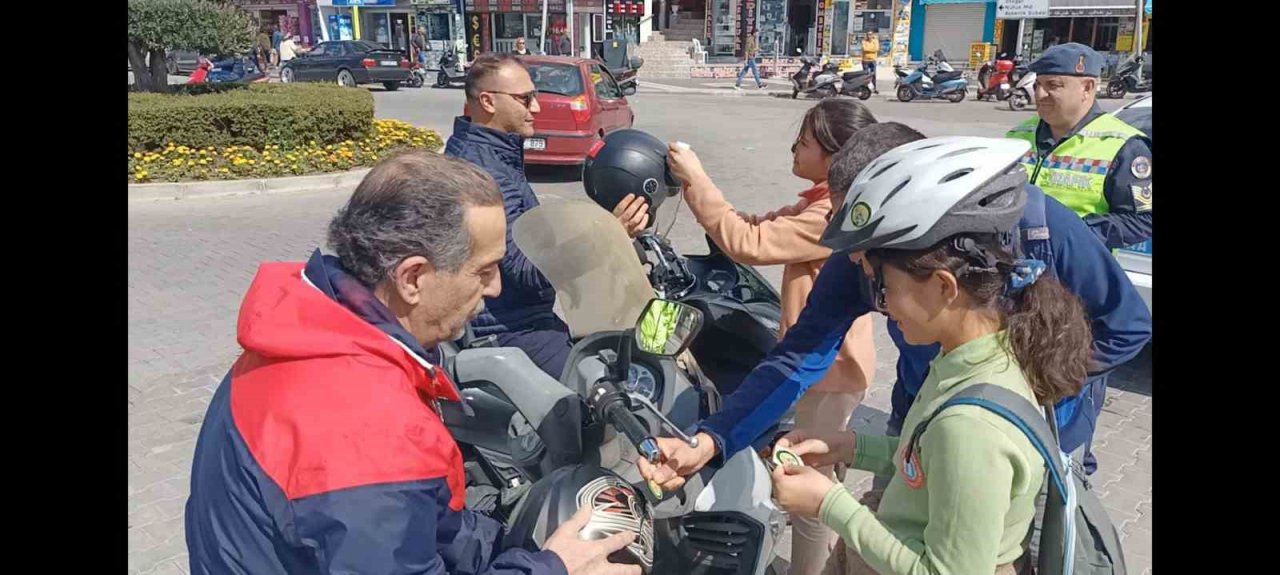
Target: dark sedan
[(349, 63)]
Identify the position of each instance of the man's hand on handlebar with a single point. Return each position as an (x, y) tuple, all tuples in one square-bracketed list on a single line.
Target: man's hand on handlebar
[(633, 213), (678, 461), (584, 557)]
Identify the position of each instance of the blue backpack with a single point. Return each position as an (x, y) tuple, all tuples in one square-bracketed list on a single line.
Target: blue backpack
[(1071, 534)]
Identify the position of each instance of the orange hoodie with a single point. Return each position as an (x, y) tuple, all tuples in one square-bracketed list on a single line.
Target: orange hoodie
[(788, 236)]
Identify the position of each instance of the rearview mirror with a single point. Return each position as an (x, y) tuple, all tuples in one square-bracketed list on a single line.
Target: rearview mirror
[(666, 328)]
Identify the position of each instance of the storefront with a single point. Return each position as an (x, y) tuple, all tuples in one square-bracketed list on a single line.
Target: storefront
[(1108, 26), (383, 21), (442, 20), (497, 23), (290, 16), (950, 26)]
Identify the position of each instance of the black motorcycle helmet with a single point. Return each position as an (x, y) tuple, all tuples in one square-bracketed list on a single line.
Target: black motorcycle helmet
[(556, 497), (628, 162)]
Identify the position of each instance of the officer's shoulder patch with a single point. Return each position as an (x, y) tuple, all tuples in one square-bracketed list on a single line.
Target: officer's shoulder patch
[(1141, 197), (1140, 167)]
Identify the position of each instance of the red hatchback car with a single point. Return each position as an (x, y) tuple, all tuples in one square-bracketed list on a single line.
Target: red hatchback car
[(580, 102)]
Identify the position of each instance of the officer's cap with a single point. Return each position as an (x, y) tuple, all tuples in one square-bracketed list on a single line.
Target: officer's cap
[(1071, 59)]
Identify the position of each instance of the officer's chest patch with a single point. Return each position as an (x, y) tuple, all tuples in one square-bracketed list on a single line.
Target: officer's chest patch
[(1141, 197)]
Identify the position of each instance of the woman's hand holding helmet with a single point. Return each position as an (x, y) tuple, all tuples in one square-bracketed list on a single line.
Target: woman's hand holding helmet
[(684, 164)]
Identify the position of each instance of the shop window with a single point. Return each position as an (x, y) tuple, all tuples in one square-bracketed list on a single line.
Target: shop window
[(1105, 37), (437, 25), (508, 25), (840, 21)]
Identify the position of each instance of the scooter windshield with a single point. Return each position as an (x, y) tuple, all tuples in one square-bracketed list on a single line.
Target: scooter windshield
[(593, 265)]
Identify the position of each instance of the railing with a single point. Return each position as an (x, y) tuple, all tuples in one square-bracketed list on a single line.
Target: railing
[(502, 46)]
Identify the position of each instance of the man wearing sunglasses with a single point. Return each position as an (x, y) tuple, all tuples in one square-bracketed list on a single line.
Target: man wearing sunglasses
[(501, 103), (846, 289)]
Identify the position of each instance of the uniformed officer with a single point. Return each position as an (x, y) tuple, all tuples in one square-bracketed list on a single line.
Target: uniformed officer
[(1092, 162)]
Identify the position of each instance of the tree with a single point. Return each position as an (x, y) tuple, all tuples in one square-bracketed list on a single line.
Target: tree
[(206, 26)]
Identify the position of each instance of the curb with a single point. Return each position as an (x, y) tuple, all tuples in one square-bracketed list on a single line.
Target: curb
[(336, 181), (723, 92)]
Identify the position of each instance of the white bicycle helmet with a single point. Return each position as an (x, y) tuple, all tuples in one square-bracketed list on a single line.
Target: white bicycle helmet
[(918, 194)]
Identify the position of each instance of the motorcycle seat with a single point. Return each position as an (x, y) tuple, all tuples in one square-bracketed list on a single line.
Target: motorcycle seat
[(854, 74), (941, 77)]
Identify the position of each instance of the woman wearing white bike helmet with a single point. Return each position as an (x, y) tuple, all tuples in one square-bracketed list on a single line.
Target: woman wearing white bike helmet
[(927, 219)]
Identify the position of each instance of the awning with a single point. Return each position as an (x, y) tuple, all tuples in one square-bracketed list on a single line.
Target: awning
[(1082, 8)]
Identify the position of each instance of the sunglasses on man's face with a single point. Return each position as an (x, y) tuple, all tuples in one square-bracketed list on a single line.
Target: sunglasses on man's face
[(525, 99)]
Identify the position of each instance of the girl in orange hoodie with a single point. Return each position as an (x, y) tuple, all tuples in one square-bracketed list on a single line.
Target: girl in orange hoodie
[(789, 236)]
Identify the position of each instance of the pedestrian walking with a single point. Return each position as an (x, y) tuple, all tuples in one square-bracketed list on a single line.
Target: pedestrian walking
[(750, 52)]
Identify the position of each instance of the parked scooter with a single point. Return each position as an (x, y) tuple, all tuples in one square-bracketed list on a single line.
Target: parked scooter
[(824, 82), (452, 72), (521, 430), (1126, 79), (994, 80), (946, 82), (1024, 92), (417, 76), (857, 83)]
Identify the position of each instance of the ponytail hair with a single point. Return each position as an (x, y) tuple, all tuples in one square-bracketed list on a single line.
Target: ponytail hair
[(1048, 332)]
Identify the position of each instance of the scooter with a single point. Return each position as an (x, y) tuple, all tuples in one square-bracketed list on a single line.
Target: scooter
[(824, 82), (857, 83), (417, 76), (994, 81), (946, 82), (1126, 80), (518, 428), (451, 73), (1024, 92)]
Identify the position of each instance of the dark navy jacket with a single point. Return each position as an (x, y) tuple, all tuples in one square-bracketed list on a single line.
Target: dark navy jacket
[(1121, 323), (527, 296), (322, 451)]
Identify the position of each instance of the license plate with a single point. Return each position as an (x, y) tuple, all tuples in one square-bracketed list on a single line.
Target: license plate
[(390, 63), (535, 144), (1004, 86)]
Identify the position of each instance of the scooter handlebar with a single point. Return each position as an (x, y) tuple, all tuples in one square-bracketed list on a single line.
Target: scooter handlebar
[(611, 405)]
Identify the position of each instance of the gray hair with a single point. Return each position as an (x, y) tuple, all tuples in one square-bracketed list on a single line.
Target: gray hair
[(864, 146), (411, 204)]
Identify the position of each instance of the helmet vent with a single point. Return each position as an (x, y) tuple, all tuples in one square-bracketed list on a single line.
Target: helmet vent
[(882, 170), (953, 176), (1001, 198), (895, 190), (955, 153)]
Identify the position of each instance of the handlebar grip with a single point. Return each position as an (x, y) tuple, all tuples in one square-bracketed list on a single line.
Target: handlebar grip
[(630, 426)]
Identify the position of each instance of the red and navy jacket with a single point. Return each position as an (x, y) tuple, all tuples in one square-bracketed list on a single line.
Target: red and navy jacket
[(322, 451)]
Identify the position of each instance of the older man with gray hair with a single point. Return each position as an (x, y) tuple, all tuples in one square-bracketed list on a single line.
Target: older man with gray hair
[(323, 450)]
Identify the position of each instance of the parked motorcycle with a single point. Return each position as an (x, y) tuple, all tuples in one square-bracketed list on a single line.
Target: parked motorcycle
[(451, 73), (994, 79), (857, 83), (1126, 79), (946, 82), (417, 76), (519, 428), (824, 82), (1024, 92)]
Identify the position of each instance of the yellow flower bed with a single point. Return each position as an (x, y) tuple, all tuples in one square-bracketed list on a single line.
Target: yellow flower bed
[(177, 163)]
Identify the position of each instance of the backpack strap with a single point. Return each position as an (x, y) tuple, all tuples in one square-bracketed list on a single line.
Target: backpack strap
[(1040, 430)]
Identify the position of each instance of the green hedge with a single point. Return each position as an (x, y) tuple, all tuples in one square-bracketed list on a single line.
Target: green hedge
[(287, 115)]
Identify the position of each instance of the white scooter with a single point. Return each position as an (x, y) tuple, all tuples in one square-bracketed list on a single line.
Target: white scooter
[(1024, 92)]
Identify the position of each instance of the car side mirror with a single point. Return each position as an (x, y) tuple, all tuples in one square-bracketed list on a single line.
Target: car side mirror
[(630, 90)]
